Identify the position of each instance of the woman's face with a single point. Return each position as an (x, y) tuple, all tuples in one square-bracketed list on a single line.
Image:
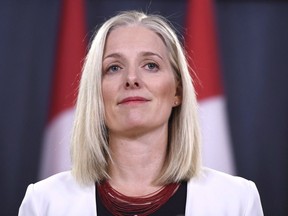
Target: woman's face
[(138, 85)]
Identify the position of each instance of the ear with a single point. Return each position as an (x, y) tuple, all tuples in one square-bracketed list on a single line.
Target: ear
[(178, 95)]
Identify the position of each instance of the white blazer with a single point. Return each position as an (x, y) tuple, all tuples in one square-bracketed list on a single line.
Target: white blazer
[(212, 193)]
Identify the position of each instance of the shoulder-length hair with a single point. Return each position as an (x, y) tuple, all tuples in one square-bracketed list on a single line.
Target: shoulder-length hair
[(90, 151)]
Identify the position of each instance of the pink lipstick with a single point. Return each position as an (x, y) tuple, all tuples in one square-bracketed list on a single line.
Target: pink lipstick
[(136, 99)]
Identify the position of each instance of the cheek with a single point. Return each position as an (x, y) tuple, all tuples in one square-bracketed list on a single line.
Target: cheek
[(108, 89), (107, 93), (110, 86), (167, 90)]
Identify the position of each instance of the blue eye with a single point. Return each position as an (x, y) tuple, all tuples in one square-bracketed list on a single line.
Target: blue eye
[(152, 66), (113, 68)]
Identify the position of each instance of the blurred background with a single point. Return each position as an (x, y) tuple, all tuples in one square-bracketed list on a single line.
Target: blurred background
[(249, 41)]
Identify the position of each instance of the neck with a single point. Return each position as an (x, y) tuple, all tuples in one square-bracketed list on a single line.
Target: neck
[(137, 161)]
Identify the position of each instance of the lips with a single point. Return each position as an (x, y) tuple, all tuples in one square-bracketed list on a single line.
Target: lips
[(136, 99)]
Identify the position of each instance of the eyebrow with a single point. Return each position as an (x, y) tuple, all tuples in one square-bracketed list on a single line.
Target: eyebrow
[(151, 54), (144, 53)]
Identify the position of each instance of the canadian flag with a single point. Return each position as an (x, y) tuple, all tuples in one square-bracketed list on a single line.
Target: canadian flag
[(71, 50), (201, 45)]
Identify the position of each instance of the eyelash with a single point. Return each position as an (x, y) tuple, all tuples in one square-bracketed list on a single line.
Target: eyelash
[(155, 66), (112, 68)]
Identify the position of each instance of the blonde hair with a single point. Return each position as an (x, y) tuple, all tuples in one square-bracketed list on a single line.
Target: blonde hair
[(90, 151)]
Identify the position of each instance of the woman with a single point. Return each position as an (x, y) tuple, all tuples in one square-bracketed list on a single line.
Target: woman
[(135, 143)]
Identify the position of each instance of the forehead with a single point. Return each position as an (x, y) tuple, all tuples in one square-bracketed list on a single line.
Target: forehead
[(134, 37)]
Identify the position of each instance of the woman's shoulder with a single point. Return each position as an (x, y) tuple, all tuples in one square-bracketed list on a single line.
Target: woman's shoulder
[(62, 183), (219, 182), (57, 193), (211, 177), (223, 192), (62, 180)]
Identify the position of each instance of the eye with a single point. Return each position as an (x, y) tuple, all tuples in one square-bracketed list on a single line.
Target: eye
[(113, 69), (151, 66)]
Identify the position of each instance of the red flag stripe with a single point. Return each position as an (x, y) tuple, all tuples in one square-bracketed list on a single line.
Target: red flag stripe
[(69, 57), (202, 48), (201, 44)]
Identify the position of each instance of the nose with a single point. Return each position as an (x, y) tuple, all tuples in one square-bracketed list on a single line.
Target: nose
[(133, 84), (133, 80)]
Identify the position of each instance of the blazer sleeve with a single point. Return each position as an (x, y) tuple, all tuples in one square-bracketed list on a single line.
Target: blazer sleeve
[(254, 207), (29, 204)]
